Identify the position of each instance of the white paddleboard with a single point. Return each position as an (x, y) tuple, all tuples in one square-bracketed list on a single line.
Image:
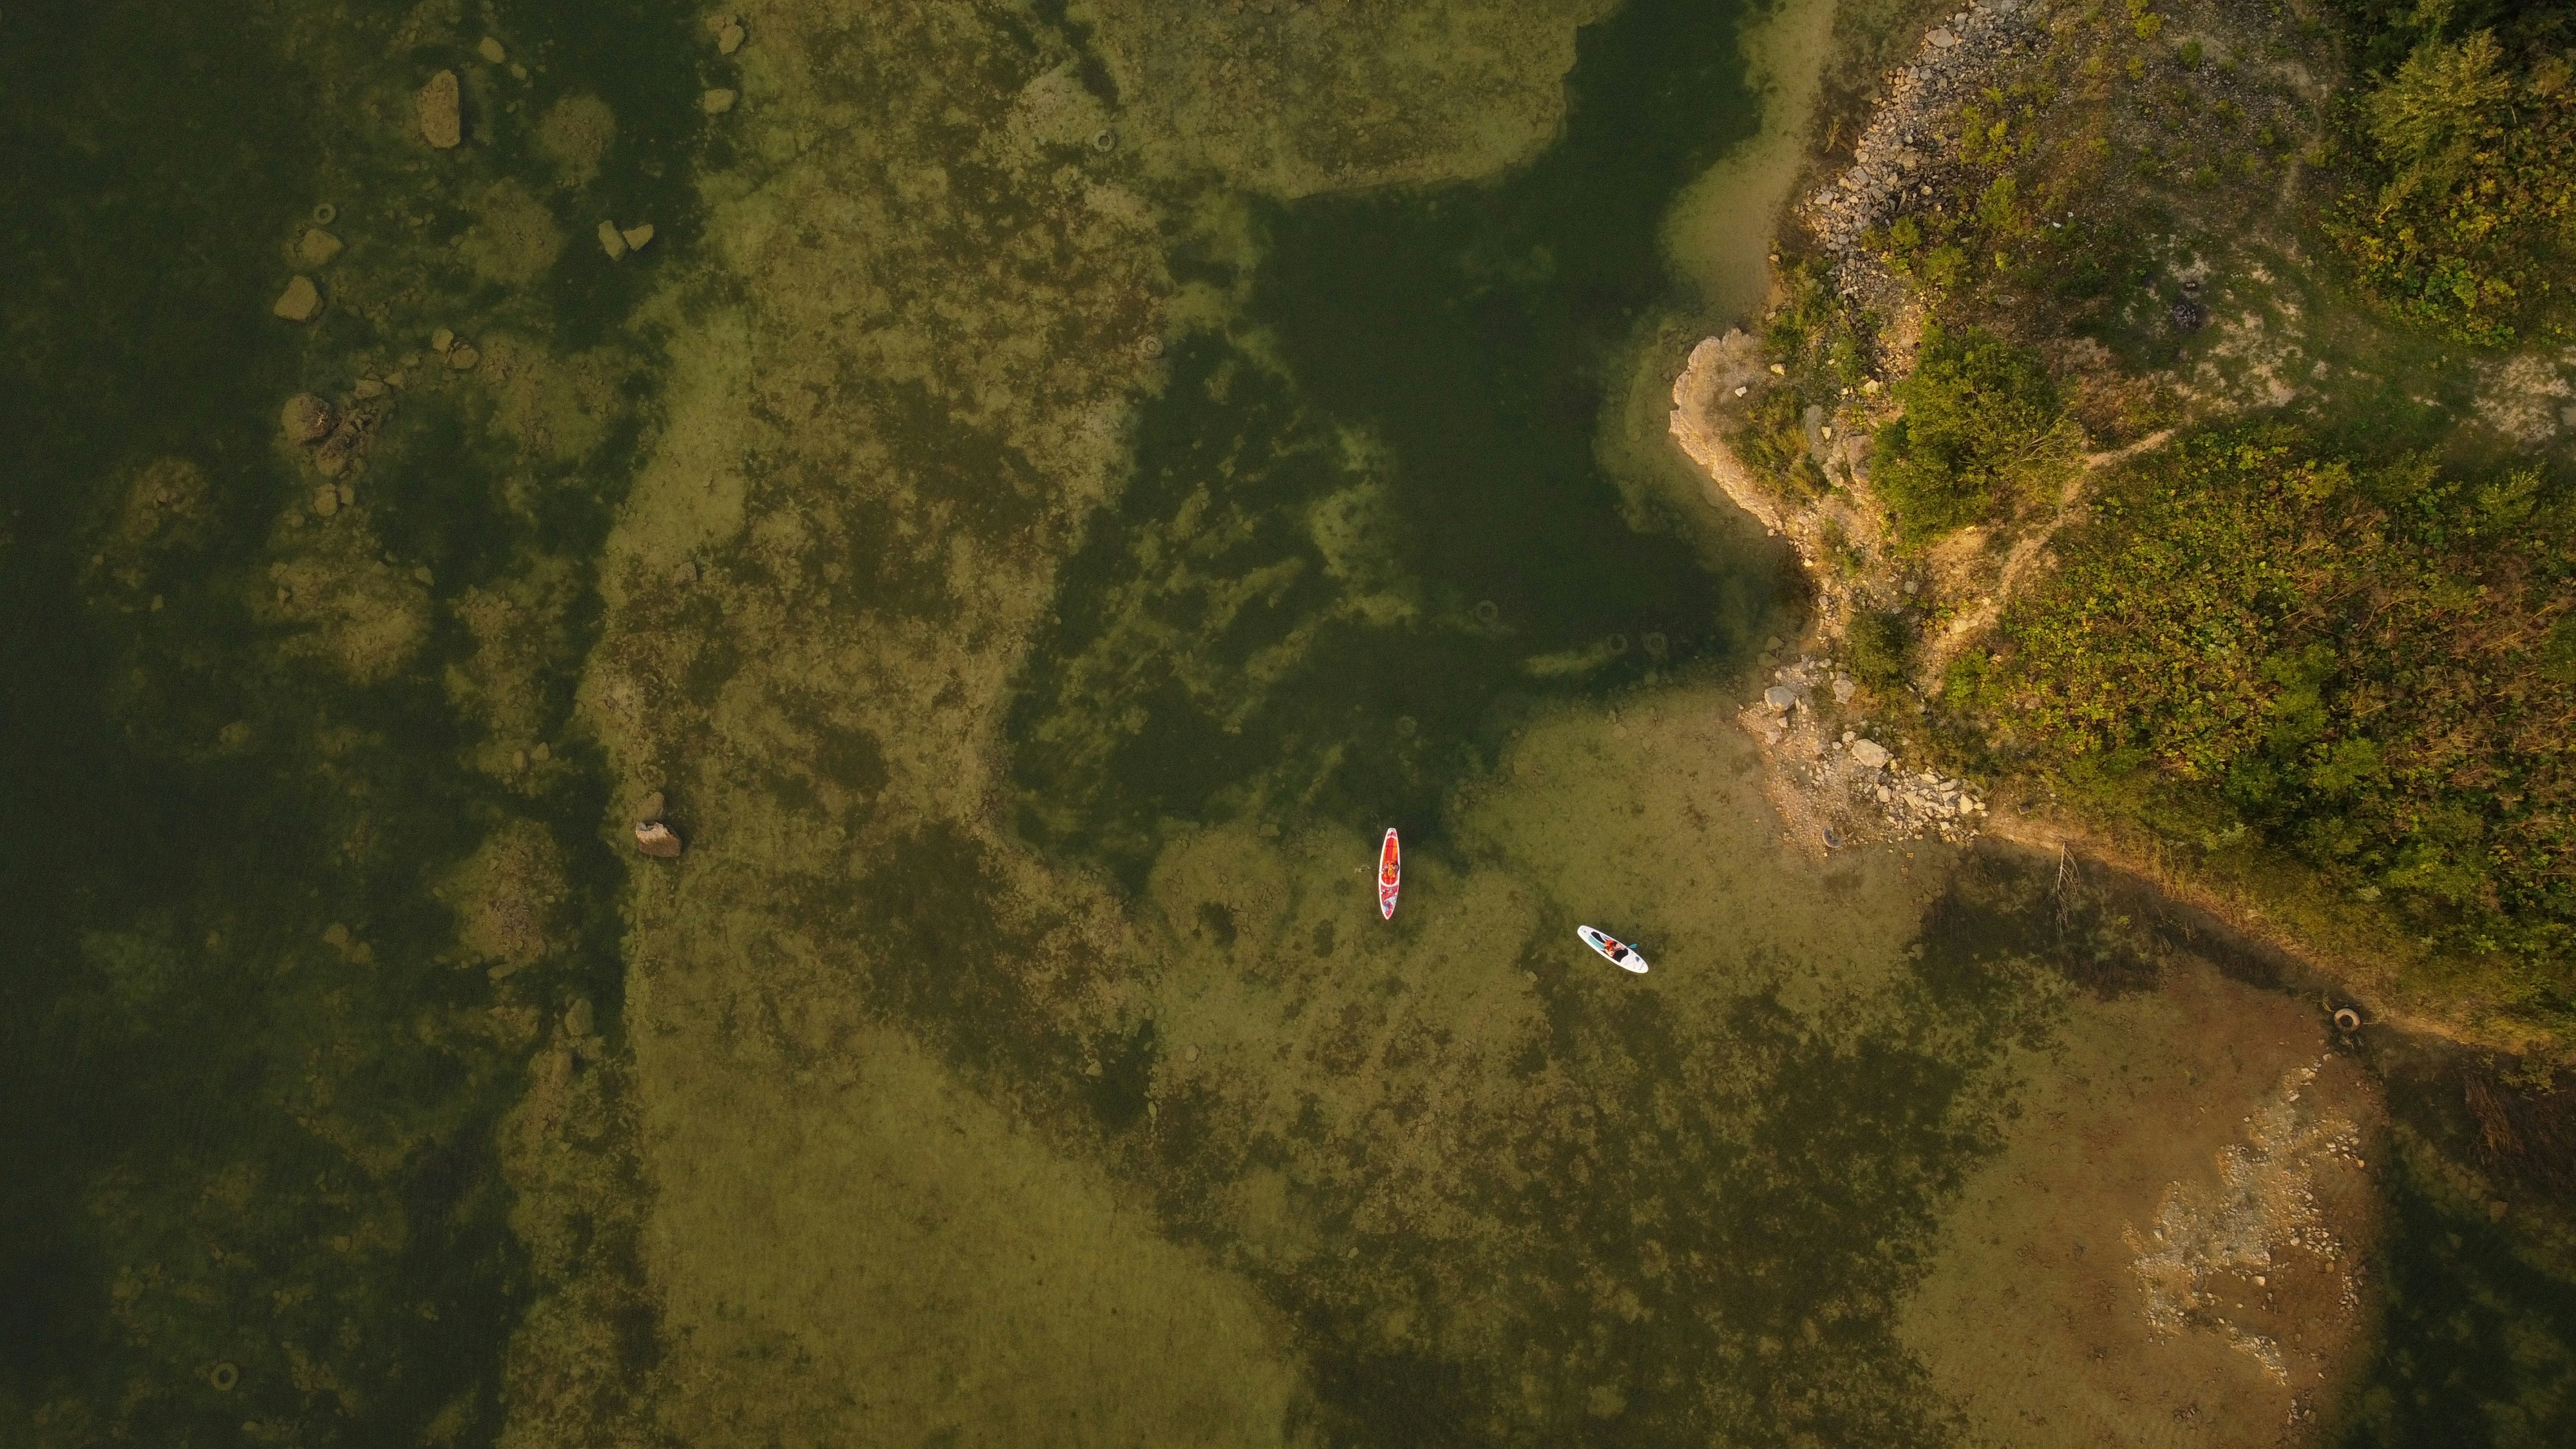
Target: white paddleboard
[(1618, 953)]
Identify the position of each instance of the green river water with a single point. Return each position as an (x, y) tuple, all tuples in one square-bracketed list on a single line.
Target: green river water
[(360, 1085)]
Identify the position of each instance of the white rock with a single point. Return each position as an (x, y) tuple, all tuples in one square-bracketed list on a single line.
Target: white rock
[(1780, 697), (1870, 754)]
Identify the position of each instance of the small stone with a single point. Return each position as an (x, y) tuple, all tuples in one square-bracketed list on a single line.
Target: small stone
[(326, 500), (1779, 697), (462, 357), (611, 240), (367, 387), (518, 71), (1870, 754), (300, 301), (1778, 371), (491, 50), (1191, 1055), (441, 108), (1844, 688), (637, 237), (316, 246), (1942, 39), (306, 418), (348, 496), (717, 101), (649, 809), (579, 1017), (441, 340), (729, 37), (656, 840)]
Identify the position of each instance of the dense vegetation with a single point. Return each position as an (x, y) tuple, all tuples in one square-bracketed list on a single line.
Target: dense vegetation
[(1981, 428), (2372, 665), (2473, 152)]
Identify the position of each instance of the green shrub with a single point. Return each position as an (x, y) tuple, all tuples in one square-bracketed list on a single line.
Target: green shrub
[(2374, 668), (2475, 162), (1879, 642), (1981, 423)]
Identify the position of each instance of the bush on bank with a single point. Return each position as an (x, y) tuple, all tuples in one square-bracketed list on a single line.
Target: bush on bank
[(1981, 428), (2372, 667)]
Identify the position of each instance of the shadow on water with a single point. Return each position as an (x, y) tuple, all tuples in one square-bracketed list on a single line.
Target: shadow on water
[(1335, 583)]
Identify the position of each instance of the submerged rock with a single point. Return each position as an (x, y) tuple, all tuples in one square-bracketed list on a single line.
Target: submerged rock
[(580, 1017), (611, 240), (299, 302), (441, 106), (316, 247), (491, 50), (717, 101), (307, 418), (637, 237), (649, 809), (656, 840), (729, 35)]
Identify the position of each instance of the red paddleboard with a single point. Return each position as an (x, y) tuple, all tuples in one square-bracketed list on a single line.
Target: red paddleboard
[(1390, 875)]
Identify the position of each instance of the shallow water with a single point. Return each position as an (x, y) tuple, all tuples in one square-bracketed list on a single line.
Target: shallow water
[(1034, 569)]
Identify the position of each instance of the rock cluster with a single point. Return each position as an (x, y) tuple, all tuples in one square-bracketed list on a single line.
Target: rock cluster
[(618, 241), (1852, 786), (1918, 802), (335, 435), (1898, 154)]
